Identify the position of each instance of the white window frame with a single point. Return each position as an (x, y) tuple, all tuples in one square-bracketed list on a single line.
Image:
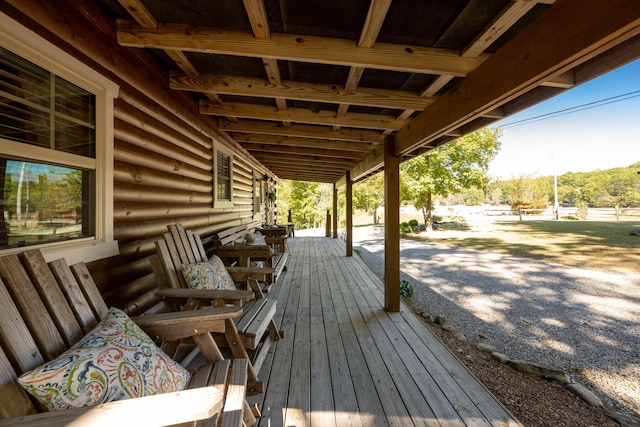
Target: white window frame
[(30, 46), (224, 203)]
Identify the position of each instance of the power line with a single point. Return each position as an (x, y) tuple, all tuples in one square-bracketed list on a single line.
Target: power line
[(571, 110)]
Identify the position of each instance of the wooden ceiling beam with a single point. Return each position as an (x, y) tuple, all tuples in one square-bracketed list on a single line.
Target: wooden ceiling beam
[(260, 25), (294, 47), (303, 131), (300, 176), (310, 160), (140, 13), (512, 12), (359, 147), (254, 148), (302, 115), (375, 17), (332, 94), (144, 18), (565, 36), (304, 169)]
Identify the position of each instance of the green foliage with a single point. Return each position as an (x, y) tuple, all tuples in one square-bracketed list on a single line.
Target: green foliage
[(601, 188), (405, 228), (406, 290), (413, 223), (368, 195), (449, 169), (527, 190), (308, 202)]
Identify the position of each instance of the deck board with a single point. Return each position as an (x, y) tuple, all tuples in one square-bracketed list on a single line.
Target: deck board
[(345, 361)]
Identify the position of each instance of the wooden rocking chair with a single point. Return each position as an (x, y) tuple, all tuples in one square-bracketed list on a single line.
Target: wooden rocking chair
[(248, 336), (46, 308)]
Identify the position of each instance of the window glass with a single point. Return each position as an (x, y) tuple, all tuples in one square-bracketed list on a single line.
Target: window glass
[(224, 176), (43, 203), (39, 108)]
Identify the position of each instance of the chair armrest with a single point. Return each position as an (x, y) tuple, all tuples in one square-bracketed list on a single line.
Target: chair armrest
[(162, 409), (253, 251), (272, 240), (250, 270), (184, 324), (226, 295)]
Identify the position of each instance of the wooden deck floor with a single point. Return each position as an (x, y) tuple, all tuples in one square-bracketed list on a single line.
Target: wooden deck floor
[(345, 361)]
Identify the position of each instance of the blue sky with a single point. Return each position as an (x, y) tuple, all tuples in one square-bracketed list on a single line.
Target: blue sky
[(598, 138)]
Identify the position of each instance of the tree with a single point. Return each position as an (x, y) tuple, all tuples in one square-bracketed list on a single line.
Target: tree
[(368, 195), (308, 201), (528, 190), (448, 169)]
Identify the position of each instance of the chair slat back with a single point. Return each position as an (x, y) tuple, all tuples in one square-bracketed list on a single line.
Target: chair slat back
[(14, 401), (33, 311), (230, 235), (52, 296), (178, 247), (195, 245), (89, 289), (46, 310)]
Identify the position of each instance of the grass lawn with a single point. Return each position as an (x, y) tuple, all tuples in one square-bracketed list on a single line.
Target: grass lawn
[(602, 245)]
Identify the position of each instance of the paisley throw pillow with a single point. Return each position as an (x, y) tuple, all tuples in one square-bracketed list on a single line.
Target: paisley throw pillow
[(114, 361), (208, 275)]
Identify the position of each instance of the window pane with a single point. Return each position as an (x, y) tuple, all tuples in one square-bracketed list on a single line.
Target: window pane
[(74, 138), (25, 93), (39, 108), (44, 203), (75, 119), (224, 176)]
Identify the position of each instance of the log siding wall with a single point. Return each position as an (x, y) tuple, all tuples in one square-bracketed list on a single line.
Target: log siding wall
[(162, 151)]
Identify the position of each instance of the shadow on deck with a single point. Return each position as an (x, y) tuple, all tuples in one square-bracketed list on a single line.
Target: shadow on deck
[(345, 361)]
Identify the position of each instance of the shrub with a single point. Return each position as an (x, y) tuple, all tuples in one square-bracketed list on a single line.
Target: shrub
[(413, 223), (406, 290), (581, 210), (405, 228)]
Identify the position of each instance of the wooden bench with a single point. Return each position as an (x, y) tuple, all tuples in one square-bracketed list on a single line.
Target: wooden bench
[(248, 336), (48, 307), (276, 237), (232, 247)]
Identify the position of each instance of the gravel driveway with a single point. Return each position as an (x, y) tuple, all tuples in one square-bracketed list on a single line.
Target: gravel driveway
[(584, 321)]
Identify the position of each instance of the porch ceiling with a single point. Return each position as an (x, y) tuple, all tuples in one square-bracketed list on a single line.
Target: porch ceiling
[(313, 89)]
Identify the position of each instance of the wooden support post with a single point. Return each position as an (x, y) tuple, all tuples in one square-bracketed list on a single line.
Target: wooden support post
[(391, 226), (335, 211), (327, 232), (349, 215)]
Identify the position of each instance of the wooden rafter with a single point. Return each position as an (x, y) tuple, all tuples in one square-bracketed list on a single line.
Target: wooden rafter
[(255, 148), (578, 34), (293, 47), (144, 18), (512, 12), (260, 25), (362, 147), (245, 86), (321, 50), (303, 115), (303, 131), (375, 17)]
